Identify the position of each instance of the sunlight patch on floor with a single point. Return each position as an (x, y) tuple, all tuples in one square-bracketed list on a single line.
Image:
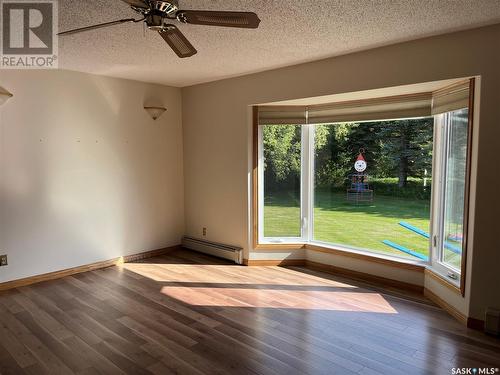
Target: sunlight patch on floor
[(284, 299), (227, 274)]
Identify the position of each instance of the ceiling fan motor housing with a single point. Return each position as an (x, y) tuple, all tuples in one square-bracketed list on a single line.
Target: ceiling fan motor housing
[(165, 7), (159, 13)]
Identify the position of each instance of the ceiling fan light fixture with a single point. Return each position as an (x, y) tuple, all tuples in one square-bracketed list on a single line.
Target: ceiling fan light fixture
[(155, 112)]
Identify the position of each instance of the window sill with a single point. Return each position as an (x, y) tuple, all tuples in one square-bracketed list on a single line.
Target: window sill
[(279, 246), (374, 258), (443, 280)]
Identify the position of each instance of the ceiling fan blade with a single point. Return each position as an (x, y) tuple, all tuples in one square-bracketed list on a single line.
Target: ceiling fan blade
[(137, 3), (98, 26), (247, 20), (177, 41)]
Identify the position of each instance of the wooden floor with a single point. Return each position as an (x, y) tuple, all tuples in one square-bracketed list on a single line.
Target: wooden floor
[(191, 314)]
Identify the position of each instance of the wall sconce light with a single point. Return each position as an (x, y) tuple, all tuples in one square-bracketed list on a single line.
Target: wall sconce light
[(4, 96), (155, 112)]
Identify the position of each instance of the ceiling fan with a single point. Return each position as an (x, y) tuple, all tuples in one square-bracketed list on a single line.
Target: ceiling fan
[(159, 15)]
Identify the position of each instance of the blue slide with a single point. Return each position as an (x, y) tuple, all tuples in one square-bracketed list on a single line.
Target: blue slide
[(405, 250), (404, 224), (419, 231)]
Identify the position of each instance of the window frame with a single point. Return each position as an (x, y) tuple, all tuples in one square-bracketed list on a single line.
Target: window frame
[(444, 270), (306, 241), (441, 141), (303, 193), (307, 204)]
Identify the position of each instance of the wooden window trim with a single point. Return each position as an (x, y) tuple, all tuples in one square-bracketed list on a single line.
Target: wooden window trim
[(280, 246), (468, 175)]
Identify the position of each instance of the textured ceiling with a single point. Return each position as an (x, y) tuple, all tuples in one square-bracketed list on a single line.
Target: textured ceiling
[(291, 32)]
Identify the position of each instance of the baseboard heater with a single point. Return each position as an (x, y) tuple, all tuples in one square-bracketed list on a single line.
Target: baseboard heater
[(219, 250)]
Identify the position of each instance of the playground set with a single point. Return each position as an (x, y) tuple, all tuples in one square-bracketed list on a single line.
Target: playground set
[(359, 190)]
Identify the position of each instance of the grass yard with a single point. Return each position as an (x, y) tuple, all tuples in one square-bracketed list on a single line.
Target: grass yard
[(363, 226)]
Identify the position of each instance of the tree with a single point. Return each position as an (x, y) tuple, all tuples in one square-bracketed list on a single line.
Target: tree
[(333, 156), (406, 147), (282, 155), (399, 148)]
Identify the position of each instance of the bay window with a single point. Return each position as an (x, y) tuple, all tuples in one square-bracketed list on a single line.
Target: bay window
[(384, 177)]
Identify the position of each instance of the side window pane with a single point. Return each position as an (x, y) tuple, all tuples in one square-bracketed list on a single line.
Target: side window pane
[(282, 170), (456, 163)]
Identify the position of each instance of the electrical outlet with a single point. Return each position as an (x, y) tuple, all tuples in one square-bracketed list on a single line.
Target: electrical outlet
[(204, 232), (3, 260)]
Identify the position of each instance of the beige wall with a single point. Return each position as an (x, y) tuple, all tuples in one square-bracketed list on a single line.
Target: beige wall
[(85, 174), (372, 268), (217, 143)]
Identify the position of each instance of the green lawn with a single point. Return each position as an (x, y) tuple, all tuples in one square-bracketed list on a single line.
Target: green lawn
[(364, 225)]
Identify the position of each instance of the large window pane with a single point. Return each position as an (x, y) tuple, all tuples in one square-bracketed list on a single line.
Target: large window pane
[(282, 170), (385, 208), (456, 162)]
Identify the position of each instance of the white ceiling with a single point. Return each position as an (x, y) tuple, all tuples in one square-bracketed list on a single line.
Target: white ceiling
[(291, 32)]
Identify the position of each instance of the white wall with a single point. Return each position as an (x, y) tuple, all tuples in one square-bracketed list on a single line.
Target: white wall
[(217, 142), (85, 174)]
